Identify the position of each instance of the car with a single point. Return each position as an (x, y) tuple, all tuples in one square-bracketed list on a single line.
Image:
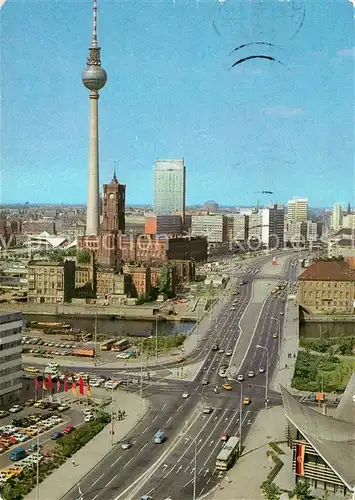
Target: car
[(205, 381), (3, 413), (227, 387), (224, 437), (246, 401), (240, 378), (63, 408), (233, 308), (126, 445), (282, 313), (261, 369), (56, 435), (185, 395), (274, 335), (69, 428), (15, 409), (229, 352), (251, 374), (30, 402), (207, 410), (89, 418)]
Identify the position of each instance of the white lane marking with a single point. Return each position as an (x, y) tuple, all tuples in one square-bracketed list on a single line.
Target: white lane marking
[(203, 489), (211, 443), (150, 491), (192, 470), (208, 480), (129, 461), (169, 419), (178, 469), (206, 472), (115, 462), (179, 408), (95, 497), (145, 430), (111, 481), (186, 469), (200, 470), (97, 480), (187, 483), (146, 444), (166, 404), (154, 419)]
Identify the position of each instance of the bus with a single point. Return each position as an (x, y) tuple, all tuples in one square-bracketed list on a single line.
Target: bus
[(106, 346), (228, 454), (121, 345)]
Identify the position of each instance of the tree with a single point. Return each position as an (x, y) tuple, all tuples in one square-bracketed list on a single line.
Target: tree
[(271, 491), (163, 282), (302, 490), (83, 257)]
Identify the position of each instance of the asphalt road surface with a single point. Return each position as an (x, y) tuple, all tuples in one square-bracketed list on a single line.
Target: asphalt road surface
[(167, 470)]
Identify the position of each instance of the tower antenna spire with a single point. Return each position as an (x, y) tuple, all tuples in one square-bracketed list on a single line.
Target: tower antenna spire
[(94, 24)]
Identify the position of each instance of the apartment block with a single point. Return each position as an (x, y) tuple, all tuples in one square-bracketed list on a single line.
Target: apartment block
[(213, 227), (10, 357), (51, 282)]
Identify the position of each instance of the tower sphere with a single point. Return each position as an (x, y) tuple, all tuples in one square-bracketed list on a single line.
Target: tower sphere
[(94, 77)]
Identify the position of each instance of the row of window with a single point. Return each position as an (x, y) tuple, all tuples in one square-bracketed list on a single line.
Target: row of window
[(9, 383), (12, 369), (10, 357), (328, 284), (9, 345), (11, 331), (327, 294)]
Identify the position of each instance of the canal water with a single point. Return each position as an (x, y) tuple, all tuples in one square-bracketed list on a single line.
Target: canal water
[(316, 330), (117, 327)]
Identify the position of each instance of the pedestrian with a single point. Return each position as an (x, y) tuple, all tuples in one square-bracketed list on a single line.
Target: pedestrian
[(74, 463)]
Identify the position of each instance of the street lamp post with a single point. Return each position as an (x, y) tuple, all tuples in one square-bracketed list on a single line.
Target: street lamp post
[(240, 412), (267, 373), (156, 339), (141, 388), (279, 340)]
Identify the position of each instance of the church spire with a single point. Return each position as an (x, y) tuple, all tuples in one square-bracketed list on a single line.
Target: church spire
[(114, 178)]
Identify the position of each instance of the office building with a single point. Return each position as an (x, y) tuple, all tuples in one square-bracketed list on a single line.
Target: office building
[(273, 226), (336, 218), (163, 224), (348, 221), (255, 225), (237, 227), (10, 357), (169, 187), (297, 210), (213, 227)]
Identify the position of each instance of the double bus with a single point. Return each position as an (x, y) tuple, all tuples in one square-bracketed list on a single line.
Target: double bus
[(228, 454), (121, 345), (107, 345)]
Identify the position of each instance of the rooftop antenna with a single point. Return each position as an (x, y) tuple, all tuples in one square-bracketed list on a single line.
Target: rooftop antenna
[(94, 24)]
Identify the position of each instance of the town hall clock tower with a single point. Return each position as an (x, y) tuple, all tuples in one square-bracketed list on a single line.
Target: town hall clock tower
[(114, 207)]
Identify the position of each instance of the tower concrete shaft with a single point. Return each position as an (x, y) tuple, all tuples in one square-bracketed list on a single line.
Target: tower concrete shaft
[(94, 78), (92, 214)]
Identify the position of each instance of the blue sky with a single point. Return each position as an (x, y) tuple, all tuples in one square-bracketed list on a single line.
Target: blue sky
[(170, 94)]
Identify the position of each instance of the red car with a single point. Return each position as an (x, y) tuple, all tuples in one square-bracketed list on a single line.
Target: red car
[(69, 428), (12, 440), (224, 437)]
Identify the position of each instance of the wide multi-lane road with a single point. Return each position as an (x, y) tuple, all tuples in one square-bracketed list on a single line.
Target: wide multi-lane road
[(167, 470)]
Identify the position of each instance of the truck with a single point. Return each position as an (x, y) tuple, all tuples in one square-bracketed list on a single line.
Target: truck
[(159, 437)]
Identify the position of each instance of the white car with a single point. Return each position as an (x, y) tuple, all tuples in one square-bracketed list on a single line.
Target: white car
[(251, 374), (274, 335), (186, 395), (15, 409), (240, 378), (126, 445), (89, 418), (282, 313), (21, 438), (63, 408), (229, 352), (221, 351), (261, 369)]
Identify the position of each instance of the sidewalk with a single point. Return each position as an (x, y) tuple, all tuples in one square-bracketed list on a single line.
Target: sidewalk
[(243, 481), (68, 476)]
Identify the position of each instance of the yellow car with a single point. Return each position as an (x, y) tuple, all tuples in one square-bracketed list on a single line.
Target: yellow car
[(246, 401), (227, 387)]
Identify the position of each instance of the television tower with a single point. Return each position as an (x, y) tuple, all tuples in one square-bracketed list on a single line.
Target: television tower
[(94, 78)]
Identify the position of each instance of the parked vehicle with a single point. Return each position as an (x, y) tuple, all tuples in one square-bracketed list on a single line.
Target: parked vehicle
[(17, 454)]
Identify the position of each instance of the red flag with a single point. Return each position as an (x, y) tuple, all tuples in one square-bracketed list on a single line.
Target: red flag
[(58, 385), (44, 384), (66, 388), (36, 384), (81, 386), (300, 449), (50, 383), (73, 387), (88, 390)]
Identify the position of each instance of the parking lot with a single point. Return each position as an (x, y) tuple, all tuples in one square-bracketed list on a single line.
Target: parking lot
[(19, 430)]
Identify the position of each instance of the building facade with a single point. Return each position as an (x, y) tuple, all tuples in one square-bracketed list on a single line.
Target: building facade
[(336, 218), (297, 210), (114, 203), (10, 357), (50, 282), (213, 227), (169, 187), (163, 224), (327, 287), (237, 227)]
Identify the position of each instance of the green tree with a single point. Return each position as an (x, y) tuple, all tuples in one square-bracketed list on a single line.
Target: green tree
[(83, 257), (163, 282), (302, 490), (271, 491)]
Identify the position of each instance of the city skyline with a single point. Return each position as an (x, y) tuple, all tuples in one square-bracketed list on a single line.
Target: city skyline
[(298, 120)]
